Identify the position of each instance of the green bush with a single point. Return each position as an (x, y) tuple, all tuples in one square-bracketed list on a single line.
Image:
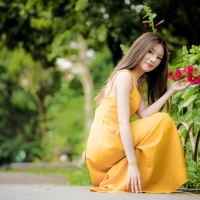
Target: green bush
[(79, 177), (193, 169), (10, 151)]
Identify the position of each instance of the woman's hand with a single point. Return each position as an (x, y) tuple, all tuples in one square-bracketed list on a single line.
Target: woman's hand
[(134, 179), (179, 85)]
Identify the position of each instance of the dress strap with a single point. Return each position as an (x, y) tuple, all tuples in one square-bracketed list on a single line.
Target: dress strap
[(116, 76)]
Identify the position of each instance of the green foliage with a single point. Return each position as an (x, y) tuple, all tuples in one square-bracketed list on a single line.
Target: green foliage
[(186, 108), (65, 125), (10, 149), (191, 57), (150, 23), (79, 177), (151, 17), (81, 4), (19, 119), (62, 45), (189, 99), (45, 30), (124, 49), (193, 169), (101, 67), (186, 105), (66, 113)]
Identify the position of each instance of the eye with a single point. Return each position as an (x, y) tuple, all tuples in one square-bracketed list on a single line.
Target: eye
[(159, 58), (150, 52)]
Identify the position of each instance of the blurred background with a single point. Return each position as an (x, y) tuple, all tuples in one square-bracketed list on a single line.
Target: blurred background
[(54, 58)]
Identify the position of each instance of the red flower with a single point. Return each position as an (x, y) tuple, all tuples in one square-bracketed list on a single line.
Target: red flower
[(171, 75), (185, 69), (189, 72), (158, 27), (190, 69), (191, 78), (198, 80), (146, 25), (178, 74)]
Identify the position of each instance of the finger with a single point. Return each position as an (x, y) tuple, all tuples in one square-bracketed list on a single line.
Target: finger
[(140, 185), (188, 84), (185, 86), (136, 185), (183, 80), (132, 185)]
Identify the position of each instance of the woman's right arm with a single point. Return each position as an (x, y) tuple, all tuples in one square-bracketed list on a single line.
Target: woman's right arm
[(144, 111), (123, 83)]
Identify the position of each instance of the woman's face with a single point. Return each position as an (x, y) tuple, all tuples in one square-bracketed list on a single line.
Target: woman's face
[(152, 58)]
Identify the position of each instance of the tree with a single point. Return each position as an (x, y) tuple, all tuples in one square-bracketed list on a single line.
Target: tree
[(36, 23)]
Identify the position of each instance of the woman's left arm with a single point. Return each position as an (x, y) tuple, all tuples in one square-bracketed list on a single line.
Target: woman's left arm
[(157, 105)]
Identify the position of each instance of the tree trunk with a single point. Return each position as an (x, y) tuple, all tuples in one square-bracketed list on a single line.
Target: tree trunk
[(86, 82), (42, 121)]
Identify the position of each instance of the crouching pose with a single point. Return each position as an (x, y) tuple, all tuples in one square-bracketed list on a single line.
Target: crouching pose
[(145, 155)]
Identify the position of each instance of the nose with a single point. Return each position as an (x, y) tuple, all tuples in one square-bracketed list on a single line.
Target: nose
[(153, 58)]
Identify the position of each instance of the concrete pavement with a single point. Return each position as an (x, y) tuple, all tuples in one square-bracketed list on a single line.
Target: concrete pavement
[(31, 178), (28, 186), (55, 192)]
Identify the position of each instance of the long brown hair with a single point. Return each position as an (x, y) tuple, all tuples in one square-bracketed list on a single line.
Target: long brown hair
[(156, 79)]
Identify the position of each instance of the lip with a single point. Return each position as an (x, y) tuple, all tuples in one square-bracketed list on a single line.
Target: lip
[(149, 65)]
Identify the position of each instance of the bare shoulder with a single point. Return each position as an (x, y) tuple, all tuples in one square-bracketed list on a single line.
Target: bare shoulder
[(123, 81), (123, 77)]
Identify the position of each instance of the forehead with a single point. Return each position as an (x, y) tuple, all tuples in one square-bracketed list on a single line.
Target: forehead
[(158, 48)]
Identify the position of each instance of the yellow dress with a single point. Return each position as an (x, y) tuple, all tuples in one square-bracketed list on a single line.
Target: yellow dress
[(157, 147)]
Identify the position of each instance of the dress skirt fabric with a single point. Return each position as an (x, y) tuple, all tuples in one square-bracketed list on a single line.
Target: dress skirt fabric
[(157, 146)]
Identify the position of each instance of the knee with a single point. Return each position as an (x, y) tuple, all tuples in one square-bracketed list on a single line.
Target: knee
[(165, 117)]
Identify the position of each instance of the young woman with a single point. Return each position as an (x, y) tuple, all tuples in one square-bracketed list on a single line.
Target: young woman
[(145, 155)]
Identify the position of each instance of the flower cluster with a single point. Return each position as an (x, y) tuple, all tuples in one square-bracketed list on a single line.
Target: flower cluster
[(157, 26), (150, 20), (190, 73)]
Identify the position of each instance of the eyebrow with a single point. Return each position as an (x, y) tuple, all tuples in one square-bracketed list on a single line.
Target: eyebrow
[(155, 51)]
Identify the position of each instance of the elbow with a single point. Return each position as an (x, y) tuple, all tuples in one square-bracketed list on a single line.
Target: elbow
[(141, 115)]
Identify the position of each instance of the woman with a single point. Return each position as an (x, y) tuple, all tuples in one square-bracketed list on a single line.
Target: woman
[(145, 155)]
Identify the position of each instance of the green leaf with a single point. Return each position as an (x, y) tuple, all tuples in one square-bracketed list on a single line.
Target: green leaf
[(81, 4), (102, 33), (189, 101), (154, 15), (179, 65), (189, 92), (192, 59), (124, 49), (160, 22), (198, 101), (145, 16)]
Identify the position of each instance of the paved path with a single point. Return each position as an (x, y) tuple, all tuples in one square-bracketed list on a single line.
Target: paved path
[(31, 187), (31, 178), (52, 192)]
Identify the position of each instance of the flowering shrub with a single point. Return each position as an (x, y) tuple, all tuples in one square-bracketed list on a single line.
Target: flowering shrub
[(190, 73), (150, 21), (191, 70), (185, 106)]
